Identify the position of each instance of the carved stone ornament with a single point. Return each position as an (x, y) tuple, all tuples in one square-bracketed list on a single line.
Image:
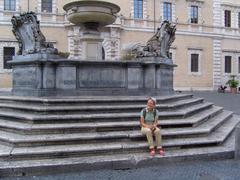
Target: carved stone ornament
[(26, 29), (159, 44)]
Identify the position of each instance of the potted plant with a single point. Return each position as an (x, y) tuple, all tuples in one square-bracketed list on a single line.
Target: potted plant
[(233, 84)]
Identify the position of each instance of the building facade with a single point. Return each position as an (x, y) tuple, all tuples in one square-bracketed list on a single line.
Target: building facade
[(206, 49)]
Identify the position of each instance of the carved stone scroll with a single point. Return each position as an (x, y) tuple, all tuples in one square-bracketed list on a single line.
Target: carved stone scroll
[(26, 29)]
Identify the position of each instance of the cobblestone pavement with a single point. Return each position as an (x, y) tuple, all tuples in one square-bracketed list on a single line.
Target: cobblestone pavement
[(227, 100), (187, 170)]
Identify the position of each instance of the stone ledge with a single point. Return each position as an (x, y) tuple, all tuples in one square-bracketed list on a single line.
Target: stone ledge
[(124, 107), (26, 128), (73, 99), (121, 161), (83, 137), (61, 151)]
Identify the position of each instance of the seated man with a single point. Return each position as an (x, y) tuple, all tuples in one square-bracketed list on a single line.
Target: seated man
[(149, 121)]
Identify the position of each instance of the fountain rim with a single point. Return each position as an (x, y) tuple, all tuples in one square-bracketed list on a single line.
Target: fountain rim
[(114, 8)]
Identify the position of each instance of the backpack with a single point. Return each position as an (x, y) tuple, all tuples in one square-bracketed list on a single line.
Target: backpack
[(154, 113)]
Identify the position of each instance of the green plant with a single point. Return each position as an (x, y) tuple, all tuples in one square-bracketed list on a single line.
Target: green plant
[(63, 54), (127, 56), (233, 83)]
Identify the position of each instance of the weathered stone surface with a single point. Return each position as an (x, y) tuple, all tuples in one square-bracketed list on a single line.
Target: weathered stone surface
[(91, 16), (149, 76), (237, 142), (85, 139), (26, 29), (158, 45)]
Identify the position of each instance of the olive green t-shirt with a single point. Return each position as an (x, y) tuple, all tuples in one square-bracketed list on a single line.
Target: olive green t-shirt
[(149, 117)]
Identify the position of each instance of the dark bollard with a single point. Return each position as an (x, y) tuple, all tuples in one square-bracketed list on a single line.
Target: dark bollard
[(237, 142)]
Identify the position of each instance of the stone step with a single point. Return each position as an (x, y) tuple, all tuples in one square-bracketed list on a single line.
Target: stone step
[(87, 100), (74, 138), (32, 117), (38, 152), (31, 139), (113, 161), (201, 130), (97, 108), (193, 120), (27, 128)]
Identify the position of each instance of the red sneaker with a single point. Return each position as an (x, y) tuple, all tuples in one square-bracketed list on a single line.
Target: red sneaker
[(161, 152), (152, 152)]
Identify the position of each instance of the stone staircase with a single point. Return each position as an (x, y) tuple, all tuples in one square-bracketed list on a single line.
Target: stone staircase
[(87, 132)]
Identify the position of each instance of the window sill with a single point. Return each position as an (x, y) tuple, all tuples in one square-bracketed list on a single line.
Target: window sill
[(226, 75), (194, 23), (138, 19), (10, 11), (46, 13), (5, 71), (195, 73)]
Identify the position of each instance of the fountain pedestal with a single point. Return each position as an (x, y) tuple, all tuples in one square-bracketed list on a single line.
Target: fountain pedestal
[(91, 45), (91, 16)]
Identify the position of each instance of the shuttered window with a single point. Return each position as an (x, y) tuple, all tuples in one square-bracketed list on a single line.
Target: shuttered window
[(227, 18), (46, 5), (138, 8), (228, 64), (194, 62), (8, 53), (10, 5), (194, 14), (167, 11)]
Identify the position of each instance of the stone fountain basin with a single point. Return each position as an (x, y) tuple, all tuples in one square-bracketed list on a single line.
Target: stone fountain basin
[(101, 12)]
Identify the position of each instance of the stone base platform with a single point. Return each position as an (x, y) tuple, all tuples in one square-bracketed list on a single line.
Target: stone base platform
[(117, 162), (64, 77), (50, 135)]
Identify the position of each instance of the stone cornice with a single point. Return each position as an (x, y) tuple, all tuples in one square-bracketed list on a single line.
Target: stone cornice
[(231, 51), (197, 1), (226, 4), (195, 48), (190, 33)]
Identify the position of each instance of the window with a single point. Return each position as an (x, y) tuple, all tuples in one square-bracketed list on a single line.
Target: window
[(194, 62), (8, 53), (227, 18), (46, 5), (10, 5), (239, 20), (167, 11), (239, 65), (228, 64), (138, 9), (194, 14)]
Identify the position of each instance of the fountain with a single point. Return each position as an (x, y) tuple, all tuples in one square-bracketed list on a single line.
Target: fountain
[(39, 71), (91, 16)]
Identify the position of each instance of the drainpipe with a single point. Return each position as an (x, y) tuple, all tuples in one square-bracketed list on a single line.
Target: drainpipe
[(28, 6), (154, 15)]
